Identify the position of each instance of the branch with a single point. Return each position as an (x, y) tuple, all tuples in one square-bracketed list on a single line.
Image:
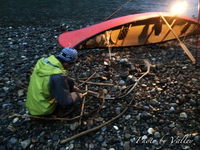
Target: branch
[(87, 79)]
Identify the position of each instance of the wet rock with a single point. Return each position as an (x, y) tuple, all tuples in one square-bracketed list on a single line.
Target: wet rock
[(2, 94), (183, 115), (118, 110), (55, 137), (34, 139), (20, 92), (145, 115), (121, 82), (25, 143), (74, 125), (126, 145), (100, 138), (15, 120), (103, 128), (91, 146), (127, 136), (128, 117), (131, 79), (192, 102), (11, 128), (13, 140), (154, 102), (172, 109), (197, 139), (104, 144), (150, 130), (173, 105), (70, 147), (116, 127), (157, 135)]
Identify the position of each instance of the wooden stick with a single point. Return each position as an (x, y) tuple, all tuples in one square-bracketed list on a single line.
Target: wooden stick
[(94, 83), (92, 93), (103, 101), (87, 79), (21, 82), (83, 105), (45, 118), (181, 44)]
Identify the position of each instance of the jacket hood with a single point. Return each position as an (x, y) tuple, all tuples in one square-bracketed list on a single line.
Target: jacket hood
[(49, 66)]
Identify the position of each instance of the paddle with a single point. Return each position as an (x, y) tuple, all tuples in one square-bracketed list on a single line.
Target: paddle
[(181, 43)]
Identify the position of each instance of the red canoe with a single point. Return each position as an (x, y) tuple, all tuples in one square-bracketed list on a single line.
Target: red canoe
[(131, 30)]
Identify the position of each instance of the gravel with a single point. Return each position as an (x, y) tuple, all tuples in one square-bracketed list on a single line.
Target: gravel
[(164, 114)]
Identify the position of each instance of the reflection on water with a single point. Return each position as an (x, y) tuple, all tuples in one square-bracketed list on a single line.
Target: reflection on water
[(51, 12)]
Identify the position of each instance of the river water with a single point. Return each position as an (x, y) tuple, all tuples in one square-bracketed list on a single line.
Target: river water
[(78, 12)]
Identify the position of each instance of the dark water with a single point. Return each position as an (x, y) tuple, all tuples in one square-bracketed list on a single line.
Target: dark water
[(53, 12)]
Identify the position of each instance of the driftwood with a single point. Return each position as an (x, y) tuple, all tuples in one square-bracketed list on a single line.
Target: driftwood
[(95, 83), (88, 82), (103, 101), (45, 118), (87, 79), (83, 105), (20, 82), (91, 93)]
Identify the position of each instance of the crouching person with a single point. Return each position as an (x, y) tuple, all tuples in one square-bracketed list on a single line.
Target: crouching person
[(49, 86)]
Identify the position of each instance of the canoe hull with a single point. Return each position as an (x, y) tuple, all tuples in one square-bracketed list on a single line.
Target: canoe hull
[(131, 30)]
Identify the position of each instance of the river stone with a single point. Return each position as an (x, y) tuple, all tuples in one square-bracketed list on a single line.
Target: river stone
[(20, 92), (71, 146), (192, 102), (74, 125), (145, 115), (104, 144), (15, 120), (154, 102), (91, 146), (126, 145), (118, 110), (25, 143), (183, 115), (197, 139), (2, 94), (127, 135), (100, 138), (55, 137), (13, 140), (157, 134), (150, 130), (127, 117)]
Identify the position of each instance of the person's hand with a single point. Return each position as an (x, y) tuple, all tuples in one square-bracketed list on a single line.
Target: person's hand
[(81, 95), (75, 96)]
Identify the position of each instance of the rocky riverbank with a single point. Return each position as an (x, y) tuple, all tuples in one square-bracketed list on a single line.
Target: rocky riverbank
[(164, 113)]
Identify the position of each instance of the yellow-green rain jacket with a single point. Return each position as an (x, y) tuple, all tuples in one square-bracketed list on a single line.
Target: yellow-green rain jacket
[(39, 100)]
